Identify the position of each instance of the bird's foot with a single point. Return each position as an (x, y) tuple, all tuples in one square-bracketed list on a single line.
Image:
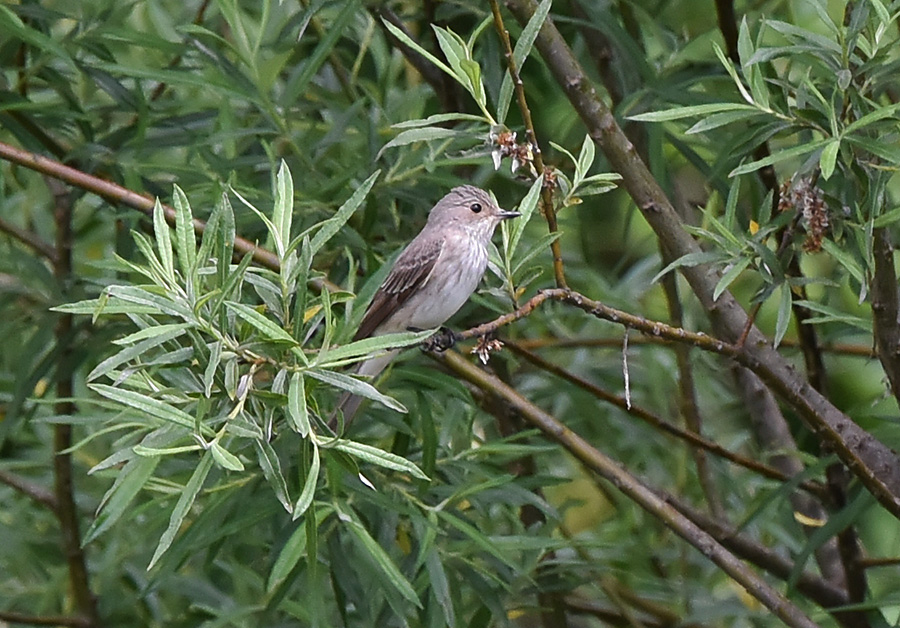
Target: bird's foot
[(442, 340)]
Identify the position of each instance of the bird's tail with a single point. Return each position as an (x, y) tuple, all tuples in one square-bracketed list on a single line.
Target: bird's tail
[(349, 403)]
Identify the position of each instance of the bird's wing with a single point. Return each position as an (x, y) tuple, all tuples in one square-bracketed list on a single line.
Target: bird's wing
[(410, 273)]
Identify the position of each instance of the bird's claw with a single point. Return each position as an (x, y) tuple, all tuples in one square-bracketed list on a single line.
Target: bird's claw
[(442, 340)]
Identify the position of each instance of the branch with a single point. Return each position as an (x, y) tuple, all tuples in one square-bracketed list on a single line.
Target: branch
[(29, 239), (610, 470), (689, 436), (64, 489), (877, 466), (31, 489), (546, 191), (44, 620), (885, 308), (117, 194)]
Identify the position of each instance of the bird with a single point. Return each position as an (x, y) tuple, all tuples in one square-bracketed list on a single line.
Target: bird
[(432, 277)]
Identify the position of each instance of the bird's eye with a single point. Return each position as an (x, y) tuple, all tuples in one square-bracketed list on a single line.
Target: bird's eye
[(475, 207)]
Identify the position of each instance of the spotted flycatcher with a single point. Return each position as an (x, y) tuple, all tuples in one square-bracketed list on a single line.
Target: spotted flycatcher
[(434, 275)]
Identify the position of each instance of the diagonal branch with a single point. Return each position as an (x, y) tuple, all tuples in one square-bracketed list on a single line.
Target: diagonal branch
[(635, 490)]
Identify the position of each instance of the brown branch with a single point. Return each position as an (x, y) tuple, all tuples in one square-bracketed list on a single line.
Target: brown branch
[(876, 465), (29, 239), (547, 208), (863, 351), (31, 489), (45, 620), (634, 489), (885, 308), (689, 436), (117, 194), (64, 489)]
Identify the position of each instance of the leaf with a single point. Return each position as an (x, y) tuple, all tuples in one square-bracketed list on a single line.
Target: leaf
[(298, 416), (691, 111), (209, 373), (139, 402), (729, 276), (381, 559), (784, 314), (828, 157), (163, 241), (779, 156), (309, 487), (340, 218), (356, 387), (404, 38), (520, 54), (422, 134), (283, 209), (526, 208), (378, 457), (293, 550), (185, 242), (263, 325), (185, 501), (691, 259), (134, 351), (131, 479), (225, 458), (366, 346), (271, 468), (150, 332), (437, 119)]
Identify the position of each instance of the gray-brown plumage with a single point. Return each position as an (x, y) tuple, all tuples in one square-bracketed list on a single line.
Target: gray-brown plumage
[(434, 275)]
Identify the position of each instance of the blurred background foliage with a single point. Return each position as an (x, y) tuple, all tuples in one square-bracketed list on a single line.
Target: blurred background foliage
[(212, 95)]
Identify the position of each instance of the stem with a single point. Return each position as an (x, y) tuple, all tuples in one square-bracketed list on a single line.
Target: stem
[(547, 208)]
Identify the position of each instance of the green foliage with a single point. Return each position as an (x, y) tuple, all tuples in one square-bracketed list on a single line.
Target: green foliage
[(210, 491)]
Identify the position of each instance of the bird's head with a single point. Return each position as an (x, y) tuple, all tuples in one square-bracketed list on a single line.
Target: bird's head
[(469, 208)]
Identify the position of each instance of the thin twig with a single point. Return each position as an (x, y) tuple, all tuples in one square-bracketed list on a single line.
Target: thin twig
[(64, 488), (547, 208), (38, 493), (74, 621), (688, 436), (29, 239)]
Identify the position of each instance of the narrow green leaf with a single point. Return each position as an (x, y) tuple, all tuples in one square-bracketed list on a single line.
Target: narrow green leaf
[(209, 373), (779, 156), (298, 415), (185, 241), (729, 276), (440, 586), (266, 327), (887, 218), (271, 468), (141, 450), (393, 574), (437, 118), (185, 501), (225, 241), (225, 458), (520, 53), (118, 498), (150, 332), (148, 405), (691, 259), (309, 487), (294, 549), (526, 208), (404, 38), (283, 211), (338, 355), (828, 158), (378, 457), (135, 294), (130, 353), (844, 259), (340, 218), (421, 134), (163, 241), (356, 387), (691, 111), (784, 314)]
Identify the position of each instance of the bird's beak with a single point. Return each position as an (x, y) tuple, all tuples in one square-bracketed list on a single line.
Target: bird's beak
[(506, 215)]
